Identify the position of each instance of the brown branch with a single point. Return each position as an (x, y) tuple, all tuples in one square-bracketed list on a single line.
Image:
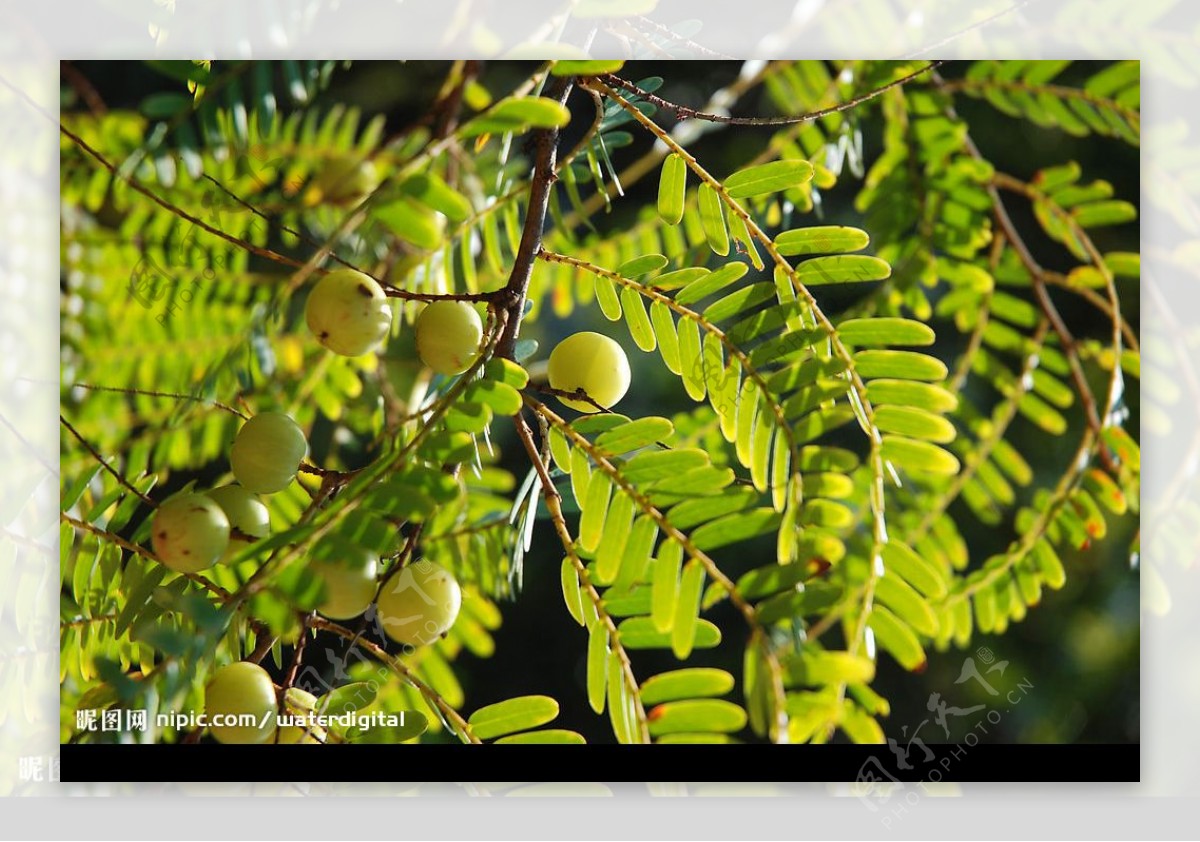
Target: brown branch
[(104, 463), (685, 113), (155, 394), (542, 181), (82, 86), (554, 506)]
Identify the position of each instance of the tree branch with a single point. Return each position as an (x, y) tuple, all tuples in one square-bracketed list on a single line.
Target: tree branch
[(543, 180), (685, 113)]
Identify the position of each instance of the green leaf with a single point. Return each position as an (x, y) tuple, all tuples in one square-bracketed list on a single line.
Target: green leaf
[(842, 269), (513, 715), (595, 510), (815, 668), (347, 698), (912, 568), (672, 185), (914, 423), (668, 339), (607, 297), (637, 320), (905, 365), (597, 666), (884, 330), (821, 239), (919, 456), (640, 633), (687, 608), (1049, 564), (610, 551), (516, 114), (736, 527), (925, 396), (597, 67), (412, 221), (431, 190), (895, 638), (572, 595), (506, 372), (665, 586), (696, 715), (772, 579), (555, 736), (768, 178), (712, 218), (691, 360), (651, 465), (635, 434), (710, 283), (643, 265), (908, 605), (693, 683), (1097, 214), (502, 398)]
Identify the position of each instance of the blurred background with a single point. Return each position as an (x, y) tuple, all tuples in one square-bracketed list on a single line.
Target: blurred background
[(1077, 653)]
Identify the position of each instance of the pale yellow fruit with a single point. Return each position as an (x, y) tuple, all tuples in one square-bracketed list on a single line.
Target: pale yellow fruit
[(349, 582), (299, 704), (419, 603), (449, 334), (246, 514), (189, 533), (267, 452), (594, 363), (241, 689), (348, 312)]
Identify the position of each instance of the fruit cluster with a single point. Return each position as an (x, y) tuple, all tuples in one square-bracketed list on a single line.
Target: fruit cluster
[(348, 313)]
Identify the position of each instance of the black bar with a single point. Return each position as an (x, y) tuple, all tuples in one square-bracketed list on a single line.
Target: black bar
[(212, 762)]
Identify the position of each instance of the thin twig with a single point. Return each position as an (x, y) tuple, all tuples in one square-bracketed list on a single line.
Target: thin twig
[(105, 463), (685, 113), (156, 394), (535, 219)]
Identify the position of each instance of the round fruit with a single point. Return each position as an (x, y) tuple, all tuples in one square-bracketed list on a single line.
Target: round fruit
[(594, 363), (246, 513), (189, 533), (348, 312), (349, 582), (267, 452), (419, 603), (299, 704), (242, 689), (448, 336), (344, 178)]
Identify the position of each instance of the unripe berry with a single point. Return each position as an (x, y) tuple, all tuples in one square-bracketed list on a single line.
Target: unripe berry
[(419, 603), (449, 334), (349, 582), (246, 513), (267, 452), (189, 533), (594, 363), (348, 312), (241, 688)]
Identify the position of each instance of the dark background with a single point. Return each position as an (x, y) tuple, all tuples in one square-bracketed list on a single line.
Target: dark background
[(1077, 652)]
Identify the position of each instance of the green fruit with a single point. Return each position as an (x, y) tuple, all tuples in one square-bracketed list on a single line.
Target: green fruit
[(449, 334), (349, 582), (241, 689), (348, 312), (345, 177), (594, 363), (419, 603), (247, 515), (299, 703), (189, 533), (267, 452)]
